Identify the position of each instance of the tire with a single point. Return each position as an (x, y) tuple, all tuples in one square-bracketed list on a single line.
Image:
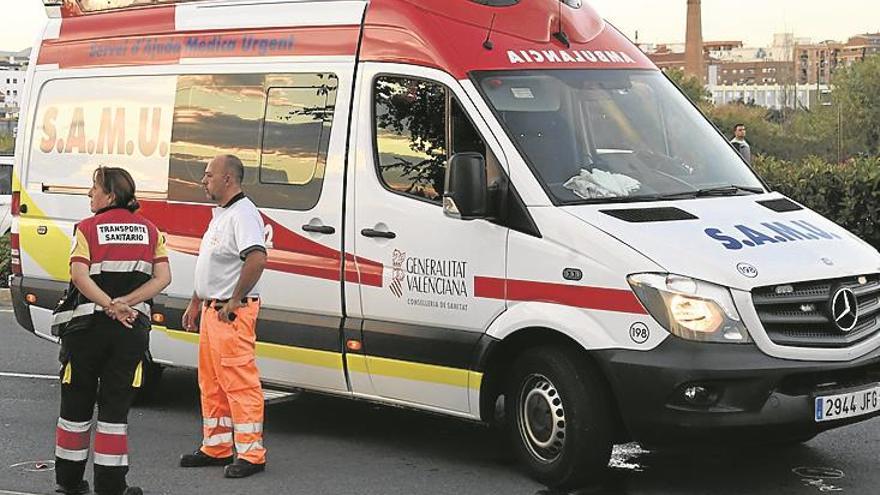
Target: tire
[(559, 417)]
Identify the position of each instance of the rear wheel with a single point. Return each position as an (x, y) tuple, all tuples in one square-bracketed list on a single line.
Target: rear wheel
[(559, 417)]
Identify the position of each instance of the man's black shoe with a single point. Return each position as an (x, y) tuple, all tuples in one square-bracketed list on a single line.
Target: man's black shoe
[(242, 469), (133, 490), (201, 459), (81, 489)]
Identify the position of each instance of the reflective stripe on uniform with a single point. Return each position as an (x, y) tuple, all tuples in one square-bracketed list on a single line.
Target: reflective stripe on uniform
[(249, 428), (111, 460), (112, 428), (138, 375), (241, 448), (121, 267), (111, 443), (73, 426), (71, 455), (68, 374), (225, 421), (72, 439), (218, 439), (81, 310)]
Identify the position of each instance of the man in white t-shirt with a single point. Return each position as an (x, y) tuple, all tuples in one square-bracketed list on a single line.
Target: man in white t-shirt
[(226, 299)]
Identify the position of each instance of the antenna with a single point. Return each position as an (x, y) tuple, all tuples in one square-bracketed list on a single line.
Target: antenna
[(560, 34), (487, 44)]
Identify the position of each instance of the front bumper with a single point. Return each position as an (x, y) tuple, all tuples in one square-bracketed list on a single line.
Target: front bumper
[(758, 397)]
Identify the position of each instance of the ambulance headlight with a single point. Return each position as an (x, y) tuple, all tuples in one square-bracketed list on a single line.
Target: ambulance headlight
[(689, 308)]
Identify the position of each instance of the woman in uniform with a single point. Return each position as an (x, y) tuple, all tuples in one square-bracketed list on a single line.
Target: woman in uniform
[(118, 264)]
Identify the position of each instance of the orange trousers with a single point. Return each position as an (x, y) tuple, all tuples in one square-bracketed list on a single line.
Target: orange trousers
[(231, 395)]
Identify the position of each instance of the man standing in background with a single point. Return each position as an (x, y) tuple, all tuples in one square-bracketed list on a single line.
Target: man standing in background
[(739, 142)]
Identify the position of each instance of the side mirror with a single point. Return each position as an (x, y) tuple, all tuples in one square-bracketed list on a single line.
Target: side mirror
[(467, 193)]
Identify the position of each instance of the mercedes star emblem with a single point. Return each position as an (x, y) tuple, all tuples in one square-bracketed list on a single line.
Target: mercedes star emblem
[(845, 309)]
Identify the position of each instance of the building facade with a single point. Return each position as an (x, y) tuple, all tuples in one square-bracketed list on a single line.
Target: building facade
[(12, 79)]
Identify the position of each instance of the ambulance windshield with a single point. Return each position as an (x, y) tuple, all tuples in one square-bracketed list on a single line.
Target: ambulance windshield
[(614, 135)]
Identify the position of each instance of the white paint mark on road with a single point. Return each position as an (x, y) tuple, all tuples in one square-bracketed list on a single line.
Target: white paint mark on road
[(27, 375), (626, 457), (34, 466), (818, 478), (7, 492)]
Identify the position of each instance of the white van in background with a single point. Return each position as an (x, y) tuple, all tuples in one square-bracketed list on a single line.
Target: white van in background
[(468, 204), (5, 194)]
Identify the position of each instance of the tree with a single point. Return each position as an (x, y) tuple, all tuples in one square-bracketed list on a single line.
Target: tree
[(855, 91), (690, 86)]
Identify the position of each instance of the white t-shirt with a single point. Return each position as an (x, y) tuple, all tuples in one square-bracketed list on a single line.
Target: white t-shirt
[(234, 232)]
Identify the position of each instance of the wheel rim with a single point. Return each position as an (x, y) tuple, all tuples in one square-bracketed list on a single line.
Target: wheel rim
[(541, 418)]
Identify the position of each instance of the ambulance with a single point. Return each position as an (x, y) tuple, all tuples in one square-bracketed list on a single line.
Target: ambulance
[(498, 210)]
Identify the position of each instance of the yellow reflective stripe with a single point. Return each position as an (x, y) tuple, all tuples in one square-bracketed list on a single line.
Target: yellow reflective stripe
[(357, 363), (312, 357), (43, 248), (475, 380), (161, 250), (68, 372), (419, 372), (138, 375), (80, 246)]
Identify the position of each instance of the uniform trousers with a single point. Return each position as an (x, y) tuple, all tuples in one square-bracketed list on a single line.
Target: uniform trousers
[(103, 364), (231, 394)]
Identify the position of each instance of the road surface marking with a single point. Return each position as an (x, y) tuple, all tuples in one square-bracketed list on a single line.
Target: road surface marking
[(26, 375)]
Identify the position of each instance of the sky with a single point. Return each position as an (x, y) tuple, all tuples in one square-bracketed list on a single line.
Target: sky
[(657, 21)]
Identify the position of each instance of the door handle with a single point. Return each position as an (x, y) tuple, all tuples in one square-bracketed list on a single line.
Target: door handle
[(319, 229), (378, 233)]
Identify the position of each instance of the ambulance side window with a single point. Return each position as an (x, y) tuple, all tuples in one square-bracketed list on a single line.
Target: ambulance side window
[(419, 125), (277, 124)]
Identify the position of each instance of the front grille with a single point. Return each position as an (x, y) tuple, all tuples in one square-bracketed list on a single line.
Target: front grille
[(799, 315)]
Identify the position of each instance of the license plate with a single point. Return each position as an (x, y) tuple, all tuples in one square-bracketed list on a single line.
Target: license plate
[(848, 404)]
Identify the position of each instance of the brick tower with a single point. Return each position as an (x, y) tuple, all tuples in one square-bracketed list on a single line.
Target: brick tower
[(694, 43)]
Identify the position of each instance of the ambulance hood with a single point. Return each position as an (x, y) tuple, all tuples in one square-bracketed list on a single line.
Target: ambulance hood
[(740, 242)]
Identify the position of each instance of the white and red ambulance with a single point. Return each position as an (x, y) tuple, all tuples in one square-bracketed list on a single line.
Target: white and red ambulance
[(468, 204)]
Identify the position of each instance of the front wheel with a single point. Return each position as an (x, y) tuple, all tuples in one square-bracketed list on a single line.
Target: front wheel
[(559, 417)]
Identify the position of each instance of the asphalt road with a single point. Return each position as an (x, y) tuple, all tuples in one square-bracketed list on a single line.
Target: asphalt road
[(321, 445)]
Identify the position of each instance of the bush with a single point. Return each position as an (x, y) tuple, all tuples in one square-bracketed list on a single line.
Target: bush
[(7, 144), (847, 193), (5, 261)]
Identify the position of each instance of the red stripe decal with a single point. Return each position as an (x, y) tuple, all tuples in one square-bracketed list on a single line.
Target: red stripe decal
[(170, 48), (108, 444), (71, 441), (621, 301), (185, 224), (155, 20)]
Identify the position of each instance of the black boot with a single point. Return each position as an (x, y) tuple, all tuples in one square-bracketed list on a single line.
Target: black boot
[(201, 459), (133, 490), (242, 469), (81, 489)]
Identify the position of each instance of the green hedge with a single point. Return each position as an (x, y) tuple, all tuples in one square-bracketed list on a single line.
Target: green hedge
[(5, 263), (846, 193)]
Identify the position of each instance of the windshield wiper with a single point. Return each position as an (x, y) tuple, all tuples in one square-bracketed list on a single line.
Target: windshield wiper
[(618, 199), (730, 190)]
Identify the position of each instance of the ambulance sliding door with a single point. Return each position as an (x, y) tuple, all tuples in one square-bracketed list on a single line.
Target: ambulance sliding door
[(422, 317), (288, 128)]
